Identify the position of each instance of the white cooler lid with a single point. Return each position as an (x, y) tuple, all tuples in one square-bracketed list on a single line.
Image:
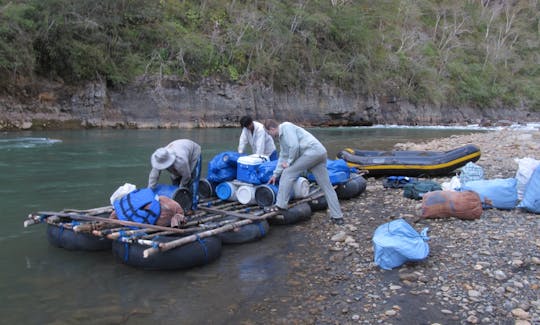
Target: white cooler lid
[(252, 159)]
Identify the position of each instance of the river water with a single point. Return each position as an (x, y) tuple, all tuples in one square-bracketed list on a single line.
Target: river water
[(79, 169)]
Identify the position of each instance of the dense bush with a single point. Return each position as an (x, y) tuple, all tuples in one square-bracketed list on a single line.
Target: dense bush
[(476, 53)]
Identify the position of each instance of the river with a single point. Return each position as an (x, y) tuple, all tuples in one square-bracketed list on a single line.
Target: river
[(54, 170)]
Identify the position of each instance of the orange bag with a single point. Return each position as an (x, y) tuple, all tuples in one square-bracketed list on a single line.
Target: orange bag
[(464, 205)]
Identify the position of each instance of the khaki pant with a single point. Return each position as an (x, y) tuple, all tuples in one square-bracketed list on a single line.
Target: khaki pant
[(314, 160)]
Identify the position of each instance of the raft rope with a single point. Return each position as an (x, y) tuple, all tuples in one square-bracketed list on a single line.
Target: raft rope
[(126, 252), (139, 234), (60, 232), (126, 245), (261, 229), (202, 242), (155, 244)]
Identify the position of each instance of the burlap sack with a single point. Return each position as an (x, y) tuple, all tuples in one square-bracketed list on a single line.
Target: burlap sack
[(464, 205)]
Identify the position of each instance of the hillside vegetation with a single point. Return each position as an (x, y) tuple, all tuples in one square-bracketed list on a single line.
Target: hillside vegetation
[(480, 53)]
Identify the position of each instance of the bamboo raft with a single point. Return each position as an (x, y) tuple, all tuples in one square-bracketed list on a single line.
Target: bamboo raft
[(192, 244), (213, 217)]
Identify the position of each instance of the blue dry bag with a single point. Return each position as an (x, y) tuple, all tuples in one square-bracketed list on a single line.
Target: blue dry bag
[(531, 196), (397, 242), (500, 193)]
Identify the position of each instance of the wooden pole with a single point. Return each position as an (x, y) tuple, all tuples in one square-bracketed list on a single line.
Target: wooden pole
[(86, 227), (113, 221), (118, 234), (94, 211), (232, 213), (191, 238), (105, 232)]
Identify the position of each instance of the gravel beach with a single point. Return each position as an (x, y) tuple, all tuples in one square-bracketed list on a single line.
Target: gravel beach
[(484, 271)]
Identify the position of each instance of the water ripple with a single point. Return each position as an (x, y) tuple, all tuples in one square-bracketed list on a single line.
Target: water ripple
[(26, 142)]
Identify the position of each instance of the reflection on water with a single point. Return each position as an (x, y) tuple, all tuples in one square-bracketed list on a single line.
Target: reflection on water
[(254, 269), (54, 170)]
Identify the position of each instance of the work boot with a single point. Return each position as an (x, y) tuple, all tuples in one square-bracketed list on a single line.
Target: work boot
[(338, 221)]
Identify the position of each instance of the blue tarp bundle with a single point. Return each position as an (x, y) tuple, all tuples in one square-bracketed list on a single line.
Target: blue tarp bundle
[(338, 171), (265, 171), (223, 167)]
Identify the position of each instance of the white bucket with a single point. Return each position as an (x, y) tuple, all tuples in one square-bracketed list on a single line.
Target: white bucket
[(300, 188), (245, 194)]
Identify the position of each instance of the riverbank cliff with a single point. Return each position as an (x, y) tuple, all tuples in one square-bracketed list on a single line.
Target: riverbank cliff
[(171, 103)]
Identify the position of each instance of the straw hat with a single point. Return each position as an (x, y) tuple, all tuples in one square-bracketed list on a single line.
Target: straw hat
[(162, 159)]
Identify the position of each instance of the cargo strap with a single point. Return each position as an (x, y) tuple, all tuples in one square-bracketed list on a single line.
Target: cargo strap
[(202, 242)]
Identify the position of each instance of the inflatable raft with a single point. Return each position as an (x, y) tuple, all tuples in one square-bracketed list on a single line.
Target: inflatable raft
[(410, 163)]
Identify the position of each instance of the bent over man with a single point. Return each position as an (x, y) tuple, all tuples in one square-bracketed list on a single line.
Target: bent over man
[(182, 159)]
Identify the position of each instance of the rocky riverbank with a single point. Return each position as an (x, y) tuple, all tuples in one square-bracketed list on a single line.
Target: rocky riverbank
[(485, 271)]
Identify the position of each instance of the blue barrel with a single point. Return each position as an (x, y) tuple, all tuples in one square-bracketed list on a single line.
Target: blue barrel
[(226, 191)]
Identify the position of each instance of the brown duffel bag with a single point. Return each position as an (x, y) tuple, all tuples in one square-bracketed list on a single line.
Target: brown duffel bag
[(441, 204)]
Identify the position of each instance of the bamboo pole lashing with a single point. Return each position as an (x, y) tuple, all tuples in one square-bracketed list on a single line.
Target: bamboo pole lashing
[(118, 234), (159, 233), (92, 226), (105, 232), (33, 219), (85, 227)]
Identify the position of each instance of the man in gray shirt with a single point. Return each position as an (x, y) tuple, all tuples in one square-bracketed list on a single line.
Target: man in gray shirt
[(182, 159), (300, 151)]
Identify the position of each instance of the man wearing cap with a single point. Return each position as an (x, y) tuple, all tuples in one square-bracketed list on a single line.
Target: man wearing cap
[(182, 158), (253, 133)]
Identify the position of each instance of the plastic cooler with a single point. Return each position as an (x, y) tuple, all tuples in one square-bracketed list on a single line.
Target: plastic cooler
[(247, 168)]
